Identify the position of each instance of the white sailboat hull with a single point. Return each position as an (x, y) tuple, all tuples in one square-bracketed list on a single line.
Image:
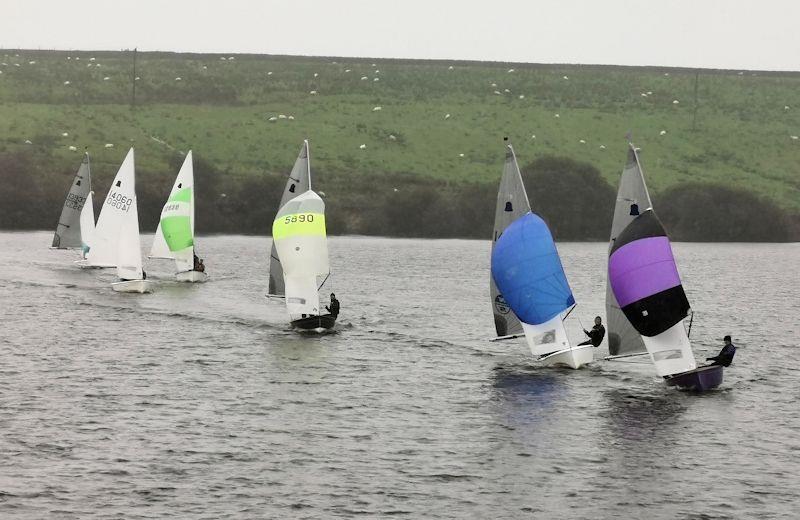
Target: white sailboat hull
[(191, 277), (573, 357), (133, 286)]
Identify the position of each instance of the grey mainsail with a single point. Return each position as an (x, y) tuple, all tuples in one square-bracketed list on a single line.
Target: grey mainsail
[(512, 203), (632, 199), (68, 230), (299, 182)]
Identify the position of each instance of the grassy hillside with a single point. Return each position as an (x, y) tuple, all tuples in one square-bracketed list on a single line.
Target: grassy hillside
[(740, 137)]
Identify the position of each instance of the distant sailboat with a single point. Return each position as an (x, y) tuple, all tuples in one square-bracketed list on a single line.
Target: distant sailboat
[(302, 246), (644, 280), (174, 238), (527, 271), (299, 181), (76, 223)]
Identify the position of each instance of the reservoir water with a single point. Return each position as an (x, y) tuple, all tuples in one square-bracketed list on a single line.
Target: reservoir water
[(196, 401)]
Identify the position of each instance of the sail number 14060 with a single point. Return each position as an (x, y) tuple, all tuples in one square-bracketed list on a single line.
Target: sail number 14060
[(303, 217), (119, 201)]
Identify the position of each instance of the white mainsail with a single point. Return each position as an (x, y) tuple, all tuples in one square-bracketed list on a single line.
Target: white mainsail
[(299, 236), (299, 182), (512, 203), (119, 202), (174, 238), (68, 233), (632, 200)]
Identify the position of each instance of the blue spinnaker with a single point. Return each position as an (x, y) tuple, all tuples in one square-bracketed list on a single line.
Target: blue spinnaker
[(528, 271)]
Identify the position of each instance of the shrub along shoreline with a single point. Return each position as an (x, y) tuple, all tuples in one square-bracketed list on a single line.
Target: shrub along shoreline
[(572, 196)]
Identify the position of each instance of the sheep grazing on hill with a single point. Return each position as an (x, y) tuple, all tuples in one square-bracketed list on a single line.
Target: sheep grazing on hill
[(602, 147), (557, 116), (363, 147), (72, 149), (447, 116), (376, 79), (64, 134), (675, 102), (566, 77), (316, 75), (663, 132), (582, 141), (106, 78), (794, 137), (178, 78), (450, 67), (313, 92), (498, 93), (377, 109), (522, 96), (281, 116), (273, 119), (27, 141), (109, 145), (364, 78), (347, 70), (66, 82), (510, 71)]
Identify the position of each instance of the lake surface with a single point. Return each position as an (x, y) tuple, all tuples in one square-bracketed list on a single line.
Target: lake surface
[(196, 401)]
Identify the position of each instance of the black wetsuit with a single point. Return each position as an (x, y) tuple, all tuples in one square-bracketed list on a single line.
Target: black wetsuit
[(596, 336), (333, 308), (725, 357)]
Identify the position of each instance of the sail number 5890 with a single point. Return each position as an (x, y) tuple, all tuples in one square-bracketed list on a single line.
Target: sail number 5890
[(290, 219)]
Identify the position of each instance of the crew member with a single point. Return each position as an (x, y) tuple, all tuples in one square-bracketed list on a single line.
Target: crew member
[(725, 356), (597, 333), (333, 307)]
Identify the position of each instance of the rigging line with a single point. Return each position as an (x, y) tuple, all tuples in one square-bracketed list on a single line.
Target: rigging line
[(325, 280)]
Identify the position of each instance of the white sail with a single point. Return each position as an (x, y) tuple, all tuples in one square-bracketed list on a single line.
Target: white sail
[(87, 224), (671, 351), (301, 243), (116, 206), (174, 238), (546, 338), (68, 232), (129, 257), (299, 182)]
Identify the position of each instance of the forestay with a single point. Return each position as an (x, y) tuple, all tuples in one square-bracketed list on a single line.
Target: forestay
[(512, 203), (298, 233), (117, 205), (632, 200), (174, 236), (68, 230), (299, 182), (644, 278), (528, 271)]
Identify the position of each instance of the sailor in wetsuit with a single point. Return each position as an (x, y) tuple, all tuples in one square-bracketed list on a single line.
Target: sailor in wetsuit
[(333, 307), (725, 357), (597, 333)]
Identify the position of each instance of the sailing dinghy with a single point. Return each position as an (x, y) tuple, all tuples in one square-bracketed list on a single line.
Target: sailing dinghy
[(298, 234), (116, 240), (647, 289), (174, 238), (529, 289), (76, 223), (299, 181)]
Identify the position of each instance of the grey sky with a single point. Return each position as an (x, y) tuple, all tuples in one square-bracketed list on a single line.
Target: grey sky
[(693, 33)]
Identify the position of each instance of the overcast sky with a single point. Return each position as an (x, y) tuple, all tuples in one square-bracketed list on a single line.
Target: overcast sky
[(693, 33)]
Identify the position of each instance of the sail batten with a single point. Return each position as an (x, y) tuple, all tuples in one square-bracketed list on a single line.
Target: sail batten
[(299, 182), (512, 203)]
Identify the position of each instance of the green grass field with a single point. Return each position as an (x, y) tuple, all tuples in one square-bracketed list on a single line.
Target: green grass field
[(742, 135)]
